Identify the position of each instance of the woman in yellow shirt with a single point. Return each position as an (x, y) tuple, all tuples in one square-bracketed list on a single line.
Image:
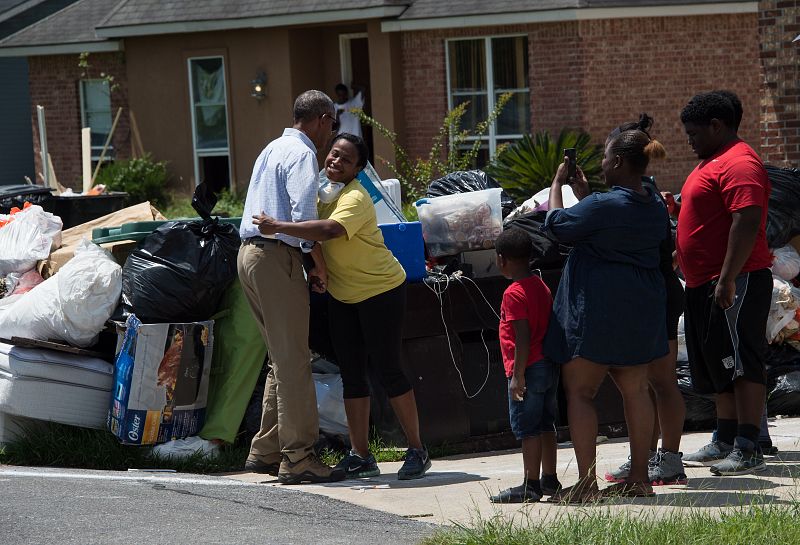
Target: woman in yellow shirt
[(367, 305)]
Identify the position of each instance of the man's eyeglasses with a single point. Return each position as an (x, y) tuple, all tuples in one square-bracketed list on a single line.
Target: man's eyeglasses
[(334, 122)]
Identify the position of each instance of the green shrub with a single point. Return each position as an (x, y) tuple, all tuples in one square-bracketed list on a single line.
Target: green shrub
[(528, 166), (142, 179), (229, 205)]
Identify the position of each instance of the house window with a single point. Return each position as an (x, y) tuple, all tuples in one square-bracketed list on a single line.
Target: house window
[(479, 71), (96, 114), (209, 106)]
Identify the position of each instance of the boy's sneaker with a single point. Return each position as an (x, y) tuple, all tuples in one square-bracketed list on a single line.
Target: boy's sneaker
[(714, 452), (358, 467), (308, 470), (416, 464), (745, 458), (518, 494), (666, 468), (767, 448), (180, 449), (550, 485), (621, 473)]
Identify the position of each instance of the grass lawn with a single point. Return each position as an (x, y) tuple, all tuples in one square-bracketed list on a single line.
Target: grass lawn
[(57, 445), (768, 523)]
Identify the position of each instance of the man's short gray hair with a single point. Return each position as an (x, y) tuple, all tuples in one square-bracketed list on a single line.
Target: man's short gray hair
[(311, 105)]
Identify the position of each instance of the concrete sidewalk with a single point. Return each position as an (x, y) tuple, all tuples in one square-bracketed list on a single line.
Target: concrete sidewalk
[(457, 488)]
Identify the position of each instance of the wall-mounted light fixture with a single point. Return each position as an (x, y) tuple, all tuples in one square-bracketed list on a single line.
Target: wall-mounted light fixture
[(258, 87)]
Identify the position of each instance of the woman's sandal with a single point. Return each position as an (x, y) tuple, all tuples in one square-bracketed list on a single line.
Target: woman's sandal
[(628, 490), (577, 495)]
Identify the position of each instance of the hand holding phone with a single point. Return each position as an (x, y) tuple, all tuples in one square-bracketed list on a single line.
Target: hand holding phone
[(572, 164)]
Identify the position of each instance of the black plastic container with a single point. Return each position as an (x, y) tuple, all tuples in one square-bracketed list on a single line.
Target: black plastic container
[(81, 209), (12, 196)]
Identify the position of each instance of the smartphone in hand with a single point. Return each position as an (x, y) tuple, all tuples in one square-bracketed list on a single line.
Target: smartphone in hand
[(572, 164)]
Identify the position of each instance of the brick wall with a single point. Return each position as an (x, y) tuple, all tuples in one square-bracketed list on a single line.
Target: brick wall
[(593, 75), (54, 85), (778, 24)]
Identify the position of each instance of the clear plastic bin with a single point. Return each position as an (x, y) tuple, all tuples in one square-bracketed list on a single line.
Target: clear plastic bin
[(457, 223)]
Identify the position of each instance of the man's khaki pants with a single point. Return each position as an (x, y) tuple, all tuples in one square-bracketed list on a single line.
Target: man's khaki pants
[(275, 286)]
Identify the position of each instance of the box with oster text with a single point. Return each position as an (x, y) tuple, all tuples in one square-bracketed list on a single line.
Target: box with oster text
[(161, 381)]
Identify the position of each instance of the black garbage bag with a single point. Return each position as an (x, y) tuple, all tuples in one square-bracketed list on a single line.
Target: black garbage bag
[(701, 412), (783, 380), (784, 398), (464, 181), (783, 219), (547, 253), (180, 271)]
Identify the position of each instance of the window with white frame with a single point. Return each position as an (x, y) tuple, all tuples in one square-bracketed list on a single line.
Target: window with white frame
[(207, 95), (96, 114), (479, 70)]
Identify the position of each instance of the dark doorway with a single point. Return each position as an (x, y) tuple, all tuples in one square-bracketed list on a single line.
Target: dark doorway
[(360, 76), (215, 171)]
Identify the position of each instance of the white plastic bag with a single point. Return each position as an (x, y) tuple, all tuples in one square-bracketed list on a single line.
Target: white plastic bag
[(30, 237), (73, 305), (786, 263), (330, 403), (783, 310)]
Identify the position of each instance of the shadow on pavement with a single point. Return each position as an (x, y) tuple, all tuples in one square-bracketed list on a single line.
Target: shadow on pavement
[(389, 480), (705, 499), (759, 482)]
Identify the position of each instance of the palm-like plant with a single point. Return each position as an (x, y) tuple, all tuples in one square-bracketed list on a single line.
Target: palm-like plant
[(526, 167)]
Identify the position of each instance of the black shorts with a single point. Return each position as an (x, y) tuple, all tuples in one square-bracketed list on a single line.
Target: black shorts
[(728, 344), (675, 304)]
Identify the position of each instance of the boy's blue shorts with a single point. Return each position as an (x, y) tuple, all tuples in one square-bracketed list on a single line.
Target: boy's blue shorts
[(536, 413)]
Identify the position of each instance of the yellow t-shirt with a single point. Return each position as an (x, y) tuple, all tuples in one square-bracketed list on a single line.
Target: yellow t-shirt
[(360, 265)]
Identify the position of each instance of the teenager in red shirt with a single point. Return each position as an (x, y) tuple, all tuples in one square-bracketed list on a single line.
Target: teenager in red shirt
[(532, 379), (722, 251)]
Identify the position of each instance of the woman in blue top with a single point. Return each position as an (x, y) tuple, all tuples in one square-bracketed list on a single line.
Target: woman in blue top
[(608, 313)]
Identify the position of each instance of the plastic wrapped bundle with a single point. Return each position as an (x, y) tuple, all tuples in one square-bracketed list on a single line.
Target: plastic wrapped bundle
[(458, 223), (465, 181)]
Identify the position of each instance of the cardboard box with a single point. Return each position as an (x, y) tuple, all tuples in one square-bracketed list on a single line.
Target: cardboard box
[(119, 251), (161, 381)]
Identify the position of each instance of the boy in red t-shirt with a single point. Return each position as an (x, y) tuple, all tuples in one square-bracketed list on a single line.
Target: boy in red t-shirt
[(532, 380)]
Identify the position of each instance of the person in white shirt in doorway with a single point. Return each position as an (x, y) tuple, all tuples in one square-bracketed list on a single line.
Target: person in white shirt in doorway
[(348, 121)]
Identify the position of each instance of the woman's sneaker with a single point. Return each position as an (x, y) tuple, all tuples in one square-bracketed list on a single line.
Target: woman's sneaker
[(666, 468), (622, 472), (358, 467), (416, 464), (714, 452)]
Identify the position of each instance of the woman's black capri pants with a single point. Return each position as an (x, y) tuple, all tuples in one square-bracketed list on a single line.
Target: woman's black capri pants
[(370, 333)]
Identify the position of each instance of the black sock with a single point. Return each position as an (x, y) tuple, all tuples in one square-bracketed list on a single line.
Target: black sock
[(749, 432), (534, 485), (726, 430)]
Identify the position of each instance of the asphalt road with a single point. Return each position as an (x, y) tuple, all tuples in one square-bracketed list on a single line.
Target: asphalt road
[(86, 507)]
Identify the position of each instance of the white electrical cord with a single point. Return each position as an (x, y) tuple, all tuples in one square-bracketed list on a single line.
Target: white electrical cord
[(438, 293)]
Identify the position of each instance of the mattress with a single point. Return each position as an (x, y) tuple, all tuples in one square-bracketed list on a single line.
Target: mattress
[(52, 386)]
